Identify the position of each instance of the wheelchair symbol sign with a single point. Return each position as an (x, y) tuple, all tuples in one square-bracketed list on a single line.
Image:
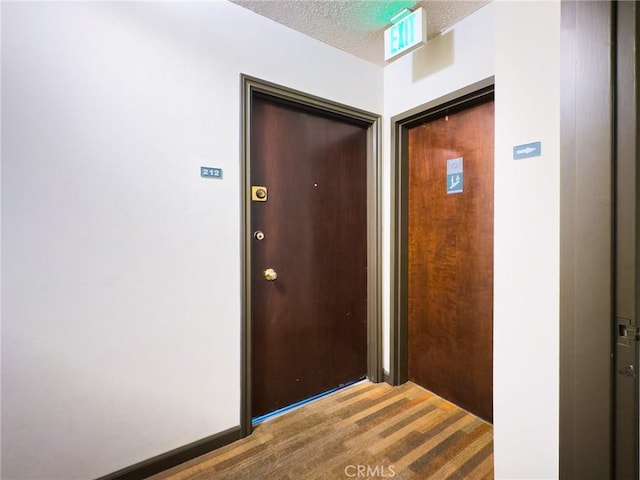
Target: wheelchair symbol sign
[(455, 183)]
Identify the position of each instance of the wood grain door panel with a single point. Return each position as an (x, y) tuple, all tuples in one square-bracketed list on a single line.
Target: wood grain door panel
[(450, 268), (309, 326)]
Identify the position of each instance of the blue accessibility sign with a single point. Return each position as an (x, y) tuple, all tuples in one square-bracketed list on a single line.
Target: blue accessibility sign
[(455, 175)]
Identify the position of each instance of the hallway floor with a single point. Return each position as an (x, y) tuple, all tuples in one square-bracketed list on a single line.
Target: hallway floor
[(364, 431)]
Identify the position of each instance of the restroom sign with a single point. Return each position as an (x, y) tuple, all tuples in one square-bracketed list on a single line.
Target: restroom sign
[(455, 176)]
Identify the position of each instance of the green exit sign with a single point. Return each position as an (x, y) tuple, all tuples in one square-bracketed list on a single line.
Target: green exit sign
[(405, 35)]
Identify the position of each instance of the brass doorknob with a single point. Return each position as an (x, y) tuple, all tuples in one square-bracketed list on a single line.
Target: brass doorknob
[(270, 274)]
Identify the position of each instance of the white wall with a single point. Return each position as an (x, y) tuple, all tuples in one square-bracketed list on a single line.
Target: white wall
[(519, 43), (121, 272), (527, 210)]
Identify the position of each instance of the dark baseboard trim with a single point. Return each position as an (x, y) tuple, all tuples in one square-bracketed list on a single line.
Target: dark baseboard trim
[(175, 457)]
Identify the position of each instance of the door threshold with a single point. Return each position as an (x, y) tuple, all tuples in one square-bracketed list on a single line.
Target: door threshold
[(294, 406)]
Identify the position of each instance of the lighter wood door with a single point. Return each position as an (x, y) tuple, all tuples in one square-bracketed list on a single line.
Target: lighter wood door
[(450, 268)]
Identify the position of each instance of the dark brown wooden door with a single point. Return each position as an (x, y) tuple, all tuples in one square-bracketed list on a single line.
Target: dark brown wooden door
[(451, 259), (309, 325)]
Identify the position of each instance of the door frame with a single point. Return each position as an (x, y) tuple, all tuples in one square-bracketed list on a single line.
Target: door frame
[(599, 242), (250, 86), (466, 97), (626, 401)]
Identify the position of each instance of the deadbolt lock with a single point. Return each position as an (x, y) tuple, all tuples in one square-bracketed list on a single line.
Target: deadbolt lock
[(258, 193), (259, 235)]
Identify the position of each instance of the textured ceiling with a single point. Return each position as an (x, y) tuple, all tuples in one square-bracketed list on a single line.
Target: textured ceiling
[(357, 26)]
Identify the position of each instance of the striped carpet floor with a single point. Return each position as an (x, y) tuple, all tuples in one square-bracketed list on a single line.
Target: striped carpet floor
[(364, 431)]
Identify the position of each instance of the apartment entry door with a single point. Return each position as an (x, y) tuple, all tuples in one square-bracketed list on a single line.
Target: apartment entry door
[(450, 257), (308, 268)]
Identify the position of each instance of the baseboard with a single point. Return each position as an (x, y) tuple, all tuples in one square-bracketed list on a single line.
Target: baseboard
[(175, 457)]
